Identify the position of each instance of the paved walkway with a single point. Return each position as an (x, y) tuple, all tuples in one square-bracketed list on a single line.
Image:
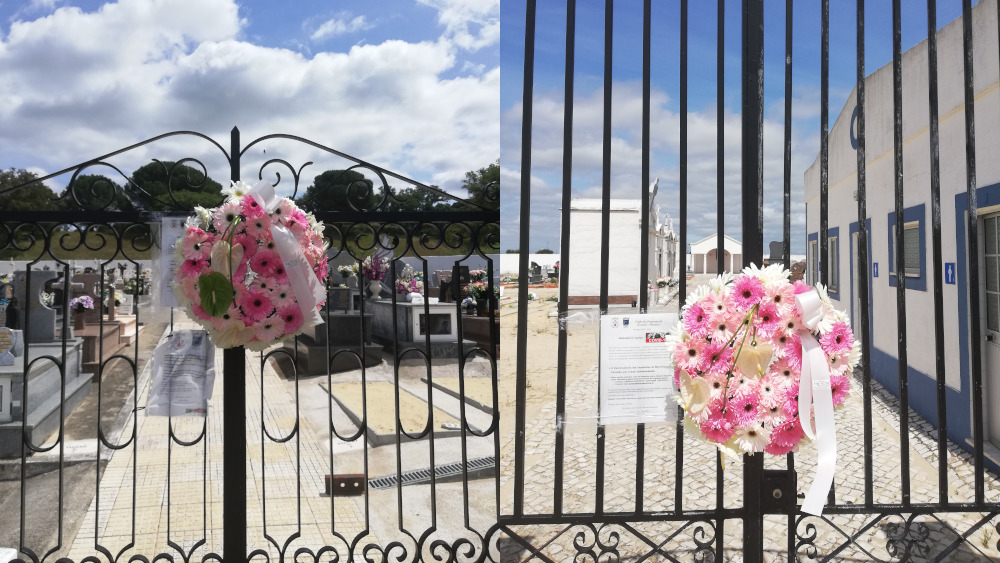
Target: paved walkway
[(176, 491), (699, 482)]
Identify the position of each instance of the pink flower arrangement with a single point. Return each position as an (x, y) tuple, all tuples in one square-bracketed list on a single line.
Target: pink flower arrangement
[(738, 360), (236, 240)]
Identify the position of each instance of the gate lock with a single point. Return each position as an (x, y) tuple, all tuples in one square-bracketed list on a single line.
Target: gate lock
[(778, 491)]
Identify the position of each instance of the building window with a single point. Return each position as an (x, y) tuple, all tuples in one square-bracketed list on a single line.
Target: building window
[(911, 250), (833, 263), (813, 259), (914, 255)]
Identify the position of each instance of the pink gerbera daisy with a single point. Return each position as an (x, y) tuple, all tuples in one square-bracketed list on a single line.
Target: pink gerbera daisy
[(838, 363), (291, 315), (747, 292), (840, 385), (197, 244), (787, 434), (791, 404), (720, 356), (768, 319), (717, 428), (270, 329), (281, 295), (192, 268), (716, 383), (248, 243), (279, 272), (696, 321), (250, 208), (716, 304), (227, 318), (839, 339), (782, 370), (264, 262), (255, 304), (691, 356), (225, 215), (742, 409), (263, 283), (793, 353), (801, 287), (189, 286), (259, 227), (783, 297)]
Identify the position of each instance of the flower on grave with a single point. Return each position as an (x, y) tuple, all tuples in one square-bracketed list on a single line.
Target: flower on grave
[(477, 290), (738, 359), (477, 275), (532, 296), (409, 281), (82, 303), (374, 267), (348, 270), (662, 281), (253, 270), (468, 302)]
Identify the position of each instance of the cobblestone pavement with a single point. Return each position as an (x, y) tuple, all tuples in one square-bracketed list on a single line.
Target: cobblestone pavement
[(861, 537)]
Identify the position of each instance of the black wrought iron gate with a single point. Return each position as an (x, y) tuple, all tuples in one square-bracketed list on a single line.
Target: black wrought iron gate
[(191, 488), (647, 493)]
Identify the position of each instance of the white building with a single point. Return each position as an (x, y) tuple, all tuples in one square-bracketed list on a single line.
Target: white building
[(625, 230), (703, 258), (880, 221)]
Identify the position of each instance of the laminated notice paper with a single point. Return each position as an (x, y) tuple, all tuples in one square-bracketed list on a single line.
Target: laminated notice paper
[(636, 369), (183, 375)]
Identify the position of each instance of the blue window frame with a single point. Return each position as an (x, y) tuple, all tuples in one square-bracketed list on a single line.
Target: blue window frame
[(833, 262), (914, 248), (812, 259)]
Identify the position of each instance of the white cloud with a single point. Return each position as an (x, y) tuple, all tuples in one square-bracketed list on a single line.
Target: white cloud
[(460, 16), (334, 27), (78, 84), (626, 161)]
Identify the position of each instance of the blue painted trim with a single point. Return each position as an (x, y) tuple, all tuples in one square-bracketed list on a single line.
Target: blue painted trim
[(816, 257), (962, 429), (853, 228), (834, 274), (910, 214)]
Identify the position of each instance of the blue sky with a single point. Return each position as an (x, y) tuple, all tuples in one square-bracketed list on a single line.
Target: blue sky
[(411, 85), (626, 113)]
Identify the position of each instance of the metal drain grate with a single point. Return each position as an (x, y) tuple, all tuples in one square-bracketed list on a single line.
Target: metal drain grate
[(442, 472)]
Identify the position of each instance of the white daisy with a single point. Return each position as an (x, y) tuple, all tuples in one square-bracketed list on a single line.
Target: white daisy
[(236, 190), (752, 439)]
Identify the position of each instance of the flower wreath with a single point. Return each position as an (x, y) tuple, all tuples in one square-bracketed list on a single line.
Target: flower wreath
[(253, 270), (751, 351)]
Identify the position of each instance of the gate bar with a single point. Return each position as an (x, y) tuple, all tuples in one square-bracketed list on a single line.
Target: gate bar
[(234, 424), (970, 171), (753, 238), (863, 258), (682, 288), (522, 267), (903, 363), (564, 263), (932, 106)]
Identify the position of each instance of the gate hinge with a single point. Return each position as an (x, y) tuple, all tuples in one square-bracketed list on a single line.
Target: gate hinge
[(778, 491)]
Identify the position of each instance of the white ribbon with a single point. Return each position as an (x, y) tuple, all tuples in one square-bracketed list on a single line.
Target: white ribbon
[(306, 287), (815, 393)]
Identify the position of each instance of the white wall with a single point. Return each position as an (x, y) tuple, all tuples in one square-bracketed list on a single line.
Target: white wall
[(585, 252), (510, 263), (916, 178)]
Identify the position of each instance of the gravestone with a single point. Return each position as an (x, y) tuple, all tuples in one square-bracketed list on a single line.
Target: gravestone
[(40, 320), (535, 273), (777, 251), (341, 299), (126, 302)]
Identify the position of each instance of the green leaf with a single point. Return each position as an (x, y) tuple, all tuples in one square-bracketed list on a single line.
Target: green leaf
[(216, 293)]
